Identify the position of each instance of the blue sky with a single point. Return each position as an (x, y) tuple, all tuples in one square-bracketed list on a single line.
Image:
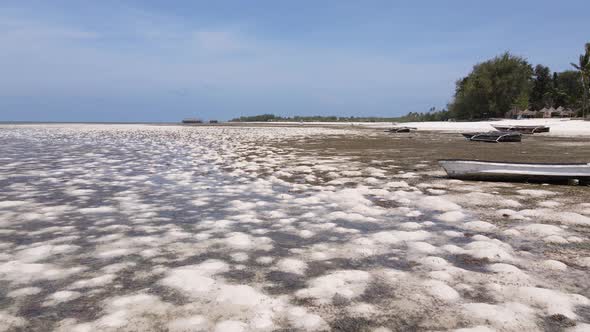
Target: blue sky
[(122, 60)]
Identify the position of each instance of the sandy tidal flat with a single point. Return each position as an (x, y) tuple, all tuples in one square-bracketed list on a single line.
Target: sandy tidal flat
[(562, 127), (164, 228)]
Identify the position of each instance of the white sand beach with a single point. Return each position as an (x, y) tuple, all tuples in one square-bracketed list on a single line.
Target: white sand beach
[(559, 127)]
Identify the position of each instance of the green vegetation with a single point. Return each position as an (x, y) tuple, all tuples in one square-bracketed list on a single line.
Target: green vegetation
[(257, 118), (567, 88), (541, 94), (315, 118), (432, 115), (491, 89), (441, 115), (583, 67), (508, 81)]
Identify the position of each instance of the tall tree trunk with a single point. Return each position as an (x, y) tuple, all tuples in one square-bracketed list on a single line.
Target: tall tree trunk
[(585, 102)]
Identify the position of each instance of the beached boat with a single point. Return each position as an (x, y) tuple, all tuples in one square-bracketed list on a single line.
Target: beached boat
[(522, 129), (400, 130), (494, 136), (509, 171)]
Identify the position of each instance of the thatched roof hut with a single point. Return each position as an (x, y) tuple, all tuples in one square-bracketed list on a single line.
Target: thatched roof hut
[(547, 112), (527, 114), (567, 113)]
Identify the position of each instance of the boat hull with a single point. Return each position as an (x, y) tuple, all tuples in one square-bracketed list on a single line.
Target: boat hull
[(523, 129), (494, 137), (400, 130), (519, 172)]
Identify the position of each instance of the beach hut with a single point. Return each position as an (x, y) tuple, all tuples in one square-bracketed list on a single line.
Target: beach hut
[(559, 112), (528, 114), (542, 112), (567, 113), (546, 112)]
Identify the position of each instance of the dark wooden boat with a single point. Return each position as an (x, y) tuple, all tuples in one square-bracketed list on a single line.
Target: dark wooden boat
[(494, 136), (400, 130), (522, 129), (509, 171)]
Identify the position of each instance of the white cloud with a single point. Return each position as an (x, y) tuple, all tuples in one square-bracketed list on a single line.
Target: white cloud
[(19, 30), (219, 41)]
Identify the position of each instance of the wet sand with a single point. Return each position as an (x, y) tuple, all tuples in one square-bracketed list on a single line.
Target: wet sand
[(431, 146)]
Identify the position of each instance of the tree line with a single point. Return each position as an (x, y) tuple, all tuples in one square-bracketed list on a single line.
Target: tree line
[(508, 81), (313, 118)]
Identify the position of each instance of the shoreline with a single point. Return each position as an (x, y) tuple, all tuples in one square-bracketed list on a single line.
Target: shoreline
[(559, 127)]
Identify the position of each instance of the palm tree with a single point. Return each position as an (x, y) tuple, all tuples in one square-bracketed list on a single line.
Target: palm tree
[(584, 68)]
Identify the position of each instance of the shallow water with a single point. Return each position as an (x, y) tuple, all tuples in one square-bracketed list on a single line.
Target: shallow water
[(138, 228)]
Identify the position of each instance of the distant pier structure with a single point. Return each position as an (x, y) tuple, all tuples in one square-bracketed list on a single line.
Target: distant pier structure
[(192, 120)]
